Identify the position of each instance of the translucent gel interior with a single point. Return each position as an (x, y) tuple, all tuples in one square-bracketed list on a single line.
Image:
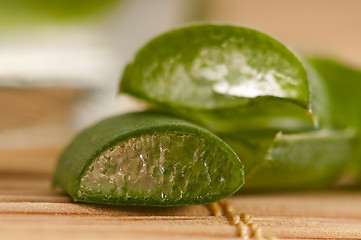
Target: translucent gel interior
[(159, 167)]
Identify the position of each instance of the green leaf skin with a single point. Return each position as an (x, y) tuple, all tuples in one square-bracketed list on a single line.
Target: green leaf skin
[(264, 114), (204, 72), (79, 161), (343, 84), (302, 161), (251, 146)]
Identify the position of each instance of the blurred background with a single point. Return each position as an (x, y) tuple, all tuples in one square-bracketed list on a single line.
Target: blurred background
[(61, 60)]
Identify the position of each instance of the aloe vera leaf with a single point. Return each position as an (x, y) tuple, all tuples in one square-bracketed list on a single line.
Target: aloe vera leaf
[(300, 161), (204, 71), (148, 159), (343, 84), (266, 114), (251, 146)]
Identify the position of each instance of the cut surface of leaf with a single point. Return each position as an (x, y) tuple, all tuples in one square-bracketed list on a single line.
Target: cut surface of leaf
[(300, 161), (148, 159), (204, 69)]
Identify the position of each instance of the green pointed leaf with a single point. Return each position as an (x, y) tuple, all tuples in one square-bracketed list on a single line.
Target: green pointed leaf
[(148, 159)]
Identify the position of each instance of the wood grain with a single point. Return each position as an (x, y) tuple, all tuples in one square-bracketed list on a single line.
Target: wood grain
[(30, 209)]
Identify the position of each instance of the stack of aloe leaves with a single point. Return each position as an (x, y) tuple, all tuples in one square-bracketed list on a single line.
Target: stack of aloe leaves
[(294, 123)]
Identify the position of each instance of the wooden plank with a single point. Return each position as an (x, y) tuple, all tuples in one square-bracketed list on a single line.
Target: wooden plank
[(30, 209)]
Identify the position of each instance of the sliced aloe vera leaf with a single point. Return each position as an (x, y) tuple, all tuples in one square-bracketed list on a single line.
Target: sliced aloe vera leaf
[(302, 161), (205, 69), (148, 159)]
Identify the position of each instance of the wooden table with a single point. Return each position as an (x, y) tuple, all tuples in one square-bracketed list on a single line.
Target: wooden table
[(30, 209)]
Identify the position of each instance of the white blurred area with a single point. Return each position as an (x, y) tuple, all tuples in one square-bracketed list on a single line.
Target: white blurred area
[(56, 79), (87, 55)]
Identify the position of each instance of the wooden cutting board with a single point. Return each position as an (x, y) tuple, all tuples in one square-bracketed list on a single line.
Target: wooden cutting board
[(30, 209)]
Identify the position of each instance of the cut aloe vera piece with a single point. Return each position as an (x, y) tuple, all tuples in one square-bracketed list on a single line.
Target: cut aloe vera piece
[(300, 161), (148, 159), (203, 72)]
